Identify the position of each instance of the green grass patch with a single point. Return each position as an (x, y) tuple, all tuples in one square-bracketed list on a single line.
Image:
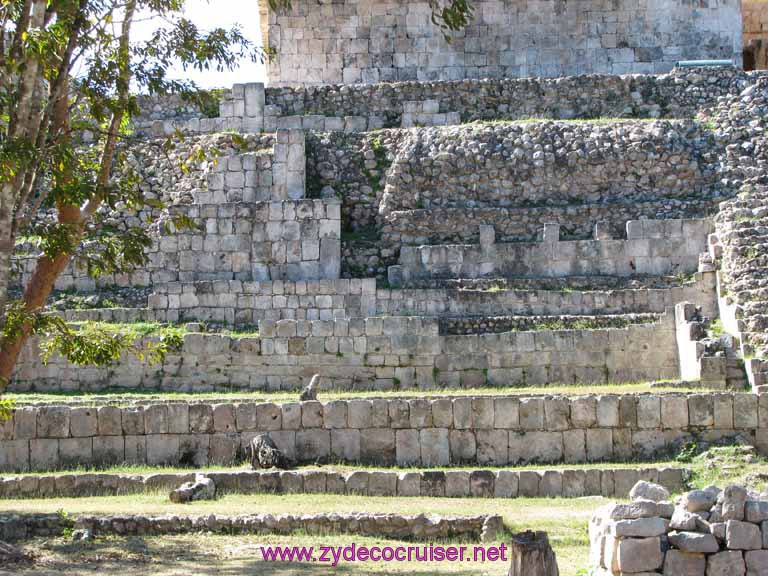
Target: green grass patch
[(125, 396)]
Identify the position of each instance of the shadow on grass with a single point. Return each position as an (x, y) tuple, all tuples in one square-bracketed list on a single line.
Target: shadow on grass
[(189, 557)]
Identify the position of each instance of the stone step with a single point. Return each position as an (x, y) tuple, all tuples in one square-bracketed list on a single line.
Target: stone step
[(608, 480)]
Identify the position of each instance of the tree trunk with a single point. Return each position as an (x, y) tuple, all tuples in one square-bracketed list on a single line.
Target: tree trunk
[(6, 245), (532, 555)]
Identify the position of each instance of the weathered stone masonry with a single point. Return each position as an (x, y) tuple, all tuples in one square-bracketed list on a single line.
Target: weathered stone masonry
[(368, 41), (487, 431), (378, 353)]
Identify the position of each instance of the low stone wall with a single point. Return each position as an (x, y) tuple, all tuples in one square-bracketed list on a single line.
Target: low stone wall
[(396, 526), (237, 303), (711, 531), (498, 324), (461, 226), (490, 431), (375, 353), (573, 483), (652, 247)]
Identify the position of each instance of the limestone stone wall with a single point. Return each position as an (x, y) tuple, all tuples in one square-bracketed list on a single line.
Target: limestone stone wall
[(755, 33), (654, 247), (422, 527), (292, 239), (490, 431), (370, 41), (517, 165), (609, 481), (246, 303), (358, 107), (377, 353)]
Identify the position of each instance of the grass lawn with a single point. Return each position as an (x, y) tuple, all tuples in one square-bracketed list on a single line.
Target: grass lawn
[(564, 520), (127, 396)]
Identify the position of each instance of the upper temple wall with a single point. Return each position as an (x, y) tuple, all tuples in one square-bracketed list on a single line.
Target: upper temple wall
[(388, 40), (755, 34)]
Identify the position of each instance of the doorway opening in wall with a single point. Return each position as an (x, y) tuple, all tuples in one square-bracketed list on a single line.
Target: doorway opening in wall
[(755, 55)]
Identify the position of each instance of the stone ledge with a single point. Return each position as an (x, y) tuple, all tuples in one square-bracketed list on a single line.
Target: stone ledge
[(568, 483), (422, 527)]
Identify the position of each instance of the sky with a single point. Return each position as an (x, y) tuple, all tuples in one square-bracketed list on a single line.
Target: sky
[(207, 14)]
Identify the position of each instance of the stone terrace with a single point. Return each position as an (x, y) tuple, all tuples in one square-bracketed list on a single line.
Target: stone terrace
[(430, 255)]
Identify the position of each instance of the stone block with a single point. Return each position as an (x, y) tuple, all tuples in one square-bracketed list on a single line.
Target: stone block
[(345, 445), (269, 416), (506, 484), (109, 421), (531, 412), (674, 412), (432, 484), (311, 414), (178, 418), (246, 418), (377, 446), (544, 447), (607, 411), (335, 414), (729, 563), (456, 484), (357, 482), (557, 413), (492, 447), (133, 421), (649, 412), (108, 450), (15, 456), (574, 446), (223, 449), (53, 422), (201, 418), (482, 484), (156, 419), (528, 485), (224, 418), (136, 449), (359, 413), (639, 528), (506, 413), (694, 542), (677, 563), (584, 412), (639, 555), (382, 484), (442, 412), (743, 535), (482, 413), (161, 449), (408, 447), (551, 484), (24, 423), (43, 454), (291, 416), (314, 445), (462, 413), (409, 484), (435, 447)]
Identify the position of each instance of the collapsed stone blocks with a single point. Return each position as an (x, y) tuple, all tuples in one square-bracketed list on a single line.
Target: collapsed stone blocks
[(628, 538)]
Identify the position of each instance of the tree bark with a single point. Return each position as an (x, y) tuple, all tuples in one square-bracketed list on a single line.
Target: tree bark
[(532, 555)]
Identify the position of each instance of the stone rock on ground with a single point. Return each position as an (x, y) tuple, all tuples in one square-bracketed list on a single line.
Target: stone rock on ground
[(648, 491), (264, 453), (492, 527), (12, 555), (310, 392), (698, 500), (203, 488)]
